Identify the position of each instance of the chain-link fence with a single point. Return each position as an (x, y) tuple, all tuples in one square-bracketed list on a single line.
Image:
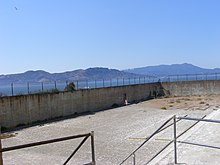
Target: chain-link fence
[(56, 86), (191, 77)]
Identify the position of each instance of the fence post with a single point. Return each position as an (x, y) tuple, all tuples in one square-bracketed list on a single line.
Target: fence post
[(42, 86), (123, 81), (103, 83), (174, 140), (87, 84), (1, 159), (77, 84), (28, 88), (12, 89), (55, 84), (93, 148), (95, 84)]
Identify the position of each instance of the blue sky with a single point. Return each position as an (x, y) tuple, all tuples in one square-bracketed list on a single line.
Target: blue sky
[(61, 35)]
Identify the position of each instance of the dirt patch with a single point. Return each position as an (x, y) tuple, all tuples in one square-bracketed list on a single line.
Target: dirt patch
[(198, 102), (7, 135)]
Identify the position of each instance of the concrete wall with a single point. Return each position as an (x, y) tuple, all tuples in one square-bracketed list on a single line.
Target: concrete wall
[(185, 88), (26, 109), (32, 108)]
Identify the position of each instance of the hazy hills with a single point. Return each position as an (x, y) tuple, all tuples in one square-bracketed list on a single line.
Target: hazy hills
[(88, 74), (104, 73), (175, 69)]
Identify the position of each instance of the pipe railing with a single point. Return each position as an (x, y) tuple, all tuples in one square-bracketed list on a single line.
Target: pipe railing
[(86, 136), (162, 128), (175, 137), (1, 159), (191, 143), (146, 140), (171, 141)]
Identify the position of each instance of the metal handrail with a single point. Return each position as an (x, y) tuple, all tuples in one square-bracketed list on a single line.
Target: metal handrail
[(190, 143), (173, 140), (1, 160), (197, 144), (198, 119), (2, 150), (160, 129), (147, 139)]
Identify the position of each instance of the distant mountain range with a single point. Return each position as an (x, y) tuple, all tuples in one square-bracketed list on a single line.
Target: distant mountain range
[(88, 74), (174, 69), (104, 73)]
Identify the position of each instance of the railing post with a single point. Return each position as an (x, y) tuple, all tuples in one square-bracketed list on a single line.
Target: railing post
[(134, 161), (93, 148), (174, 140), (1, 159)]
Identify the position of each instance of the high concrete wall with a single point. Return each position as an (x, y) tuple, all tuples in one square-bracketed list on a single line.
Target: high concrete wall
[(26, 109), (184, 88)]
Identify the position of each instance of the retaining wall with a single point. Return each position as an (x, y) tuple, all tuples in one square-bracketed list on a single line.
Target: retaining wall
[(186, 88), (27, 109)]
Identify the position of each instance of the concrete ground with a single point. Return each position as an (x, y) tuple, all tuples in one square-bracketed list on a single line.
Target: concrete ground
[(118, 132), (203, 133)]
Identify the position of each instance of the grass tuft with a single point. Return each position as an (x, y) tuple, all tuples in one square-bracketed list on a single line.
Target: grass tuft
[(163, 107)]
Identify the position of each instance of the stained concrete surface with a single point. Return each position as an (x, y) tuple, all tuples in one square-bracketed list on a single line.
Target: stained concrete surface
[(117, 133)]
